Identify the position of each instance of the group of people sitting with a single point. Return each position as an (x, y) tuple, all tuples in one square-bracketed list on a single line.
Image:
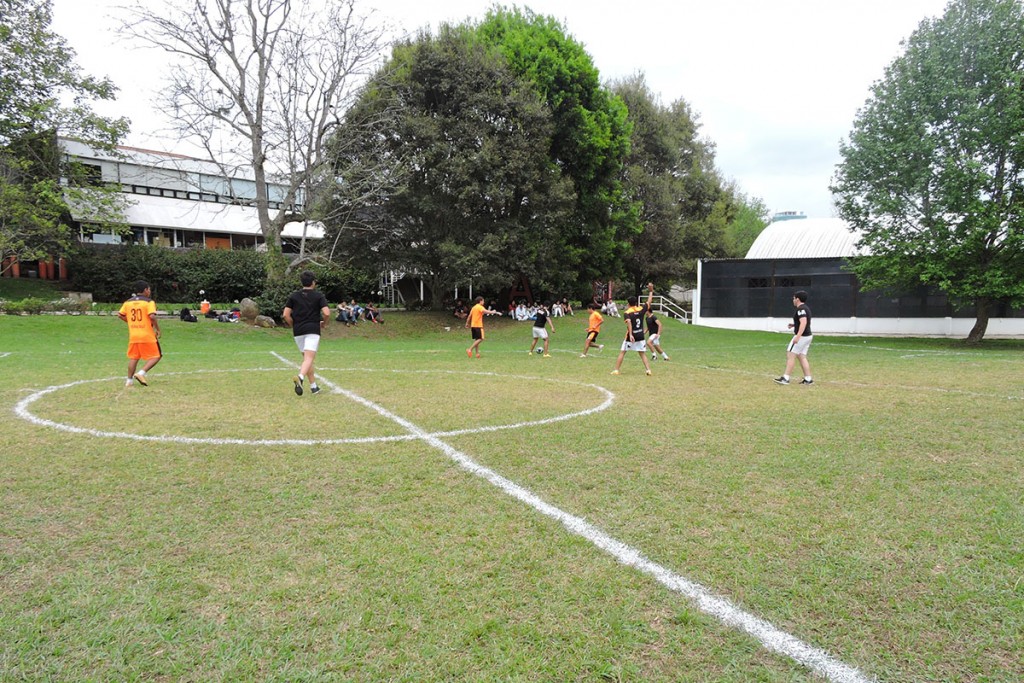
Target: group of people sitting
[(522, 311), (610, 309), (351, 313), (232, 316)]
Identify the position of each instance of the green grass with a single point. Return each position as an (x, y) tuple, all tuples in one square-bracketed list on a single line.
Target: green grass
[(877, 515), (12, 288)]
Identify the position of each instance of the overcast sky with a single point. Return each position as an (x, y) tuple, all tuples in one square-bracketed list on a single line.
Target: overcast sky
[(776, 83)]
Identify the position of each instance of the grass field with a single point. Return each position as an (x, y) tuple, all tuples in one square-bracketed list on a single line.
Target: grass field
[(513, 518)]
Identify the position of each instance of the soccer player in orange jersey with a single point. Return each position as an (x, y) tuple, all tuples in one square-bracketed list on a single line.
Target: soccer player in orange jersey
[(475, 323), (143, 332), (593, 329)]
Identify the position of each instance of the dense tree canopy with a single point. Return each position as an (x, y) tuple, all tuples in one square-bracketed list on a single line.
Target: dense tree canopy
[(590, 138), (670, 176), (43, 94), (460, 162), (933, 172), (459, 186)]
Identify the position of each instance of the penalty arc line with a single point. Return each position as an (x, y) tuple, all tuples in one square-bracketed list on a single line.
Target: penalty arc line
[(770, 636)]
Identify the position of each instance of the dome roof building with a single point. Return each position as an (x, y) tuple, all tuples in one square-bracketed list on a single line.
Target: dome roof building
[(801, 237)]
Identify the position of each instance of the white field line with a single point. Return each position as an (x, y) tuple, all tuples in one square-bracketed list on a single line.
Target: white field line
[(928, 353), (21, 409), (4, 354), (771, 637), (865, 385)]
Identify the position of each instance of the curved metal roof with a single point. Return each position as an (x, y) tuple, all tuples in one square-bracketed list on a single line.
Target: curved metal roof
[(805, 238)]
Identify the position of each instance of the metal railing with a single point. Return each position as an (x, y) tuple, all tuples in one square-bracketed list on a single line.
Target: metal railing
[(668, 307)]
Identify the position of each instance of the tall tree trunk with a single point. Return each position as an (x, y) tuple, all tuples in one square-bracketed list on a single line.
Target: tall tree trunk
[(981, 322), (436, 293)]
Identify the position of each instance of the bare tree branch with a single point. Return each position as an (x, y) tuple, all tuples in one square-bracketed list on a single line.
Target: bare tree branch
[(259, 86)]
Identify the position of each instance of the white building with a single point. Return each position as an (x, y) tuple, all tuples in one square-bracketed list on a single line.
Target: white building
[(795, 252), (179, 201)]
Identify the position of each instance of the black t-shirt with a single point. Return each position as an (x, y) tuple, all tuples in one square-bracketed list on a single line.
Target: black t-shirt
[(635, 319), (802, 312), (540, 319), (306, 305), (652, 324)]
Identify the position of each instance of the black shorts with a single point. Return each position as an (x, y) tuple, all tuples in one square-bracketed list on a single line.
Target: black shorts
[(477, 332), (592, 336)]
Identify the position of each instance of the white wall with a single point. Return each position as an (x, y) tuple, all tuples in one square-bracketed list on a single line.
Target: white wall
[(875, 327)]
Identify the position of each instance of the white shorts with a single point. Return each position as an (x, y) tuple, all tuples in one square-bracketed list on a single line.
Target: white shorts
[(540, 333), (308, 342), (654, 339), (640, 346), (801, 347)]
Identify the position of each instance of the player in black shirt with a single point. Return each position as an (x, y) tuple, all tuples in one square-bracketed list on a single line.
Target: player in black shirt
[(306, 312), (800, 344), (634, 340), (540, 324), (654, 337)]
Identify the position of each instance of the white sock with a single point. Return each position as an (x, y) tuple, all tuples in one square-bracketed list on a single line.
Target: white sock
[(785, 377), (302, 378), (141, 372)]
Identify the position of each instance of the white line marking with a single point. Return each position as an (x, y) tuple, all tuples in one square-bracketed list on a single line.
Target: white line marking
[(768, 635), (21, 409), (4, 354), (863, 385)]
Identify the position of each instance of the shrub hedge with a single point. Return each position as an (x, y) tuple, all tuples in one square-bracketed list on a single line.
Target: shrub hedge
[(178, 275)]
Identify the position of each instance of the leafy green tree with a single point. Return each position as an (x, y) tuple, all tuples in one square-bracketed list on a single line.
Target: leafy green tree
[(669, 175), (589, 142), (43, 93), (932, 171), (751, 217), (444, 168)]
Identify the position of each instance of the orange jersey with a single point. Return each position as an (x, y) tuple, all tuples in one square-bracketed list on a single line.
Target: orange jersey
[(476, 315), (595, 322), (136, 312)]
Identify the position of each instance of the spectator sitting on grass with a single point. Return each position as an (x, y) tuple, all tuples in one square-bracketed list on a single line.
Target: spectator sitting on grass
[(372, 314), (345, 314)]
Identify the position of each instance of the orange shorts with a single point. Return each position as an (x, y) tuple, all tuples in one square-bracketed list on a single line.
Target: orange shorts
[(144, 350)]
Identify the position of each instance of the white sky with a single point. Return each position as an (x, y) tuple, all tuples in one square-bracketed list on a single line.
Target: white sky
[(776, 83)]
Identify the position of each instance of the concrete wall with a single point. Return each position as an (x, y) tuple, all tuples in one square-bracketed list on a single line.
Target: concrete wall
[(876, 327)]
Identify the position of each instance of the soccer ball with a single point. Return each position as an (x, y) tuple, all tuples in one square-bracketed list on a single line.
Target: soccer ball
[(540, 350)]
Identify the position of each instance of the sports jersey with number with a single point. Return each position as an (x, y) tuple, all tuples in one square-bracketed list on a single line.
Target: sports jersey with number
[(635, 319), (136, 312), (802, 312)]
